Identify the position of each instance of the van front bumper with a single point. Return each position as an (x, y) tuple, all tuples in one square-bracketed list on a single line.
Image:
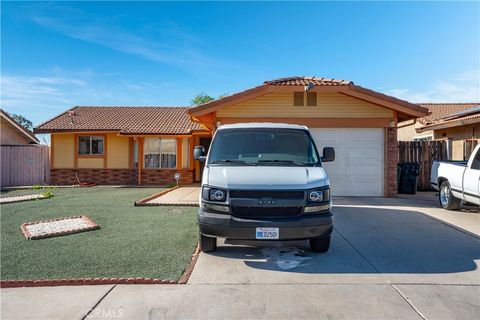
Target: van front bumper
[(298, 228)]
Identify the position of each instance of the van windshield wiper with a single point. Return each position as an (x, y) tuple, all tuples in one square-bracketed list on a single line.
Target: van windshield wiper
[(282, 161), (234, 161)]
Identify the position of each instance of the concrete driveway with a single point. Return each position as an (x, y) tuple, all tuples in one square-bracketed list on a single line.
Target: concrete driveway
[(390, 259)]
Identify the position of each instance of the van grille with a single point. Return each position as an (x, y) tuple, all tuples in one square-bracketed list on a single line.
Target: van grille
[(266, 212), (271, 194)]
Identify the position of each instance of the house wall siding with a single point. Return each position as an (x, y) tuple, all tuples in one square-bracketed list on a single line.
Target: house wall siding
[(63, 153), (117, 152), (329, 105), (91, 163)]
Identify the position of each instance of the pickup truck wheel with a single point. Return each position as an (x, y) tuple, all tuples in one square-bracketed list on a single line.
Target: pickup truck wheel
[(208, 244), (320, 244), (446, 198)]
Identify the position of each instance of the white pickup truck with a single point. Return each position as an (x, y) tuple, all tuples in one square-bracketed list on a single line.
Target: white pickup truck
[(457, 181)]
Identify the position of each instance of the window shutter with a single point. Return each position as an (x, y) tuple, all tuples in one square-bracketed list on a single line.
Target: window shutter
[(311, 98), (298, 99)]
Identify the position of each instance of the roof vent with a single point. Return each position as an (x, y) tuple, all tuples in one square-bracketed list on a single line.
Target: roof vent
[(309, 86), (71, 114)]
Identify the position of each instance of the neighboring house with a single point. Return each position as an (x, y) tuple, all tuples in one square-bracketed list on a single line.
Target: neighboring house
[(24, 161), (12, 133), (437, 111), (461, 129), (148, 145)]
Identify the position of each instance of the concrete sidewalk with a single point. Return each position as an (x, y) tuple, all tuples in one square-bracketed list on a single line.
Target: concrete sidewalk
[(389, 260)]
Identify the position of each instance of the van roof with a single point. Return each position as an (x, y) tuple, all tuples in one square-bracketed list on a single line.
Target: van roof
[(251, 125)]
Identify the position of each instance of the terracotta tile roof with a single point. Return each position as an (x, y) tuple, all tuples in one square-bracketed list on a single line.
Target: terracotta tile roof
[(126, 120), (303, 81), (459, 118), (441, 110)]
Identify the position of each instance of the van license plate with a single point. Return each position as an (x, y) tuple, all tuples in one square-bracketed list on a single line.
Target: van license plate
[(267, 233)]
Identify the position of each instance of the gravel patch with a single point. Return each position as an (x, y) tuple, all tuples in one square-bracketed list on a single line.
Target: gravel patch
[(57, 227), (21, 198)]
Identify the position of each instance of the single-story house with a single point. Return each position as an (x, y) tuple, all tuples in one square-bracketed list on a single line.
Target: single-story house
[(437, 111), (148, 145), (461, 129), (12, 133)]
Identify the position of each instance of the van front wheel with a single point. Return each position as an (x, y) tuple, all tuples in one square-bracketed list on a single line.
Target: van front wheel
[(320, 244), (208, 244)]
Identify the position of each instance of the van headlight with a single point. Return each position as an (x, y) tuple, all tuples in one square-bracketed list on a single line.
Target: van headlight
[(319, 195), (214, 194)]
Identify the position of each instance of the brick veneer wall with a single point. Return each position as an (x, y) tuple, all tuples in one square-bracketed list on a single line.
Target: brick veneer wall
[(119, 176), (98, 176), (392, 160), (161, 177)]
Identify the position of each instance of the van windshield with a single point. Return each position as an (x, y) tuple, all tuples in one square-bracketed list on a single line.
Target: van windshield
[(266, 147)]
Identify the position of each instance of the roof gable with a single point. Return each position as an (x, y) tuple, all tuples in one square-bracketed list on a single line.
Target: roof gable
[(405, 109), (20, 129)]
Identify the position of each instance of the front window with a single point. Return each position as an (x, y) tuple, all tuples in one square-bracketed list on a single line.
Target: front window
[(90, 145), (263, 146), (160, 153)]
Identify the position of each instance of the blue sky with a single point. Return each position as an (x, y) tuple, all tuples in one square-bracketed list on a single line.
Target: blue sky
[(55, 55)]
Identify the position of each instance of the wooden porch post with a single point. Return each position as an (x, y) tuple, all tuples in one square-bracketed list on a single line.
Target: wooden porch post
[(140, 159), (179, 153)]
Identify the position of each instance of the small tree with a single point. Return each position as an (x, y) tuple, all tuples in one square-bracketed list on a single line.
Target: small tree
[(201, 98), (223, 95), (21, 120)]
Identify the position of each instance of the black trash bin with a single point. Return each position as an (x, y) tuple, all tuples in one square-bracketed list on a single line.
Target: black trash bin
[(408, 177)]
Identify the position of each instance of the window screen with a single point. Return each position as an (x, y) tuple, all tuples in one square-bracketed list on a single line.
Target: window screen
[(90, 145), (160, 153)]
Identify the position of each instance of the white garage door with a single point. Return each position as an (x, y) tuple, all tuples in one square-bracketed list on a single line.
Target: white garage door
[(358, 166)]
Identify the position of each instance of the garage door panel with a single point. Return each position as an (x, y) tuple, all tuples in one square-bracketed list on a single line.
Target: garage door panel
[(358, 166)]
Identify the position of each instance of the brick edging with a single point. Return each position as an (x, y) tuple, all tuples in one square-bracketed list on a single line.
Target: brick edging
[(99, 281), (80, 282), (91, 226), (188, 271), (143, 202)]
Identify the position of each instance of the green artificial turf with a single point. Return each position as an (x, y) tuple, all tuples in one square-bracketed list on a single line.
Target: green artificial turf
[(153, 242)]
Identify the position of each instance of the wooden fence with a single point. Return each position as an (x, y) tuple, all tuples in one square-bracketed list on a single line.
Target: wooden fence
[(24, 165), (424, 153)]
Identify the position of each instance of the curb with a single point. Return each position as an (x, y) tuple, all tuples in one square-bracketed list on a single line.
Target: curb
[(143, 202), (99, 281)]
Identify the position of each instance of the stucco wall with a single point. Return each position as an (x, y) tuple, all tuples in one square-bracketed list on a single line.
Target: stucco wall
[(10, 135)]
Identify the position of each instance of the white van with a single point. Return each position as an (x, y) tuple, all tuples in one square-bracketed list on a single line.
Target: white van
[(264, 181)]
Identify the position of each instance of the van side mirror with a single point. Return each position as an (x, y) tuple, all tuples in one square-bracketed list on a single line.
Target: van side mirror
[(328, 154), (199, 153)]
